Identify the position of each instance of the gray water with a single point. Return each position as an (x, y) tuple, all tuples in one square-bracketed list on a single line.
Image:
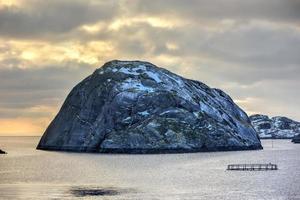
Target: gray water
[(26, 173)]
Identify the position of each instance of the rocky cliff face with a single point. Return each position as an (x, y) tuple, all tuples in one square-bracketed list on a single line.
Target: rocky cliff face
[(136, 107), (275, 127)]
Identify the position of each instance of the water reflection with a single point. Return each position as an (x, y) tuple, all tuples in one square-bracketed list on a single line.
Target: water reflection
[(55, 191), (96, 191)]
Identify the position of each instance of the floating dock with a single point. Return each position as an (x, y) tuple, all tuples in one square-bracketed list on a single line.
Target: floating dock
[(252, 167)]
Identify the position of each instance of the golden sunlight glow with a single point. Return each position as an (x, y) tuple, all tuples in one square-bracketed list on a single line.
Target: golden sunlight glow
[(153, 21), (167, 60), (93, 28), (9, 3), (159, 22), (72, 52), (23, 126), (28, 55), (38, 53), (172, 46), (29, 122)]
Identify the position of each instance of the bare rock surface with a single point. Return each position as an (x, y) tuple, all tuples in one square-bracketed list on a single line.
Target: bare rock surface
[(136, 107)]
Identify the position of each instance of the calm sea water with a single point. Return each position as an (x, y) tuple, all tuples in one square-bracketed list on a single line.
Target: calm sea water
[(26, 173)]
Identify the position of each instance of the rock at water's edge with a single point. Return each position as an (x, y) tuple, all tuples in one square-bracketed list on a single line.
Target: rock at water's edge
[(296, 139), (2, 152), (136, 107)]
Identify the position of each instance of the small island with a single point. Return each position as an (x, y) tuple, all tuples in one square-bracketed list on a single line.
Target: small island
[(296, 139), (2, 152)]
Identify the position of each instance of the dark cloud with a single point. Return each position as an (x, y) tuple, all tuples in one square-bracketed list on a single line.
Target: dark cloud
[(243, 53), (252, 45), (48, 85), (44, 18), (287, 10)]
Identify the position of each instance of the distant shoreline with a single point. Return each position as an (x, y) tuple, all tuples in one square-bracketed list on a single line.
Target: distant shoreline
[(20, 136), (276, 138), (41, 136)]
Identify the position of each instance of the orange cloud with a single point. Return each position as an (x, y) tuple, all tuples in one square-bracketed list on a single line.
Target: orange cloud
[(23, 126)]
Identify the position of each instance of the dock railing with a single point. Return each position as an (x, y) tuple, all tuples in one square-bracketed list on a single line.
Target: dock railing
[(252, 167)]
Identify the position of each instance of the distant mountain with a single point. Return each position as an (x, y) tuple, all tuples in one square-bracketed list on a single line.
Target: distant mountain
[(275, 127), (136, 107)]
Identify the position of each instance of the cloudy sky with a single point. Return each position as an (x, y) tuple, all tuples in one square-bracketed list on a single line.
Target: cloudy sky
[(250, 49)]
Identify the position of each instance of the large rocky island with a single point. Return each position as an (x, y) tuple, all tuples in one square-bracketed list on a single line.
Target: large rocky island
[(136, 107), (275, 127)]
